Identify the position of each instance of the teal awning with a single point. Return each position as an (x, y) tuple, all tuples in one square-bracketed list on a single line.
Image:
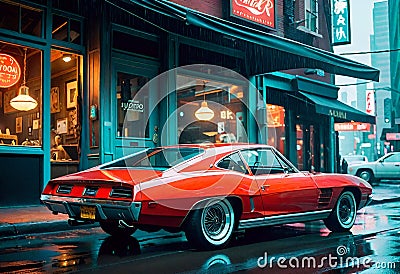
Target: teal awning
[(327, 61), (337, 109)]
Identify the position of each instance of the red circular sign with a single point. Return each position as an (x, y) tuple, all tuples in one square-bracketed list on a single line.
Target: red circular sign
[(10, 72)]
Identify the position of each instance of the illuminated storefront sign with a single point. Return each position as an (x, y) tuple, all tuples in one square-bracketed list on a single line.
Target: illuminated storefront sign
[(393, 136), (352, 126), (10, 71), (259, 11), (340, 22), (370, 102)]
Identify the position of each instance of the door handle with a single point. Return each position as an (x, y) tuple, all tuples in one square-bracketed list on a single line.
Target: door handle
[(397, 165), (263, 187)]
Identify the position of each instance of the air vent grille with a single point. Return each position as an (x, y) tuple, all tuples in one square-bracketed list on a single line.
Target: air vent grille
[(64, 189), (324, 197), (90, 191), (121, 192)]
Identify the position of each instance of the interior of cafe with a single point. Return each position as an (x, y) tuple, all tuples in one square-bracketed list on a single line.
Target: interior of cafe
[(21, 99)]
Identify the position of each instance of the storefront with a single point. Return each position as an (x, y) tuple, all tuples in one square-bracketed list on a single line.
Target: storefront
[(309, 109), (92, 76), (41, 76)]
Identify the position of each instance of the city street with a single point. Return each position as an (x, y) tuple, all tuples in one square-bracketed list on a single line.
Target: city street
[(371, 246)]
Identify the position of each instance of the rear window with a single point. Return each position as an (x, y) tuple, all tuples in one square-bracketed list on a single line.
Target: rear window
[(157, 158)]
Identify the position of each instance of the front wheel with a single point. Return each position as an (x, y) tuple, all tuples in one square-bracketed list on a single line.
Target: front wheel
[(211, 226), (344, 214), (115, 229), (367, 175)]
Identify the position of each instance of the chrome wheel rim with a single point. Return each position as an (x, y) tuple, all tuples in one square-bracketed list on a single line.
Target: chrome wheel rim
[(217, 222), (346, 210)]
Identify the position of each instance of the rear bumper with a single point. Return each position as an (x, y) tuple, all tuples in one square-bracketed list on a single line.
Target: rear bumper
[(105, 209)]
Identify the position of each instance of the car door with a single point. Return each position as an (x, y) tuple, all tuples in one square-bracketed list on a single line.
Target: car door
[(283, 189), (389, 167), (248, 189)]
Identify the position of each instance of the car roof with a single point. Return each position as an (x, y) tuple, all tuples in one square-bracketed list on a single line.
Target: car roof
[(221, 147)]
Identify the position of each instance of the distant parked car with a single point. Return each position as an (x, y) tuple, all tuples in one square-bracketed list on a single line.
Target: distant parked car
[(386, 167), (352, 159)]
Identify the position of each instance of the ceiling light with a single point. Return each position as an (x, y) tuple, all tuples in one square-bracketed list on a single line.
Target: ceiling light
[(67, 57), (23, 101)]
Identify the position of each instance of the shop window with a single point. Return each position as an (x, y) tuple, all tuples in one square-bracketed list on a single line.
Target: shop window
[(21, 19), (311, 15), (210, 111), (66, 29), (65, 109), (132, 106), (20, 73), (276, 127)]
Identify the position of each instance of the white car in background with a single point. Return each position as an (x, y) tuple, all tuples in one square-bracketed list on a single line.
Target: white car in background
[(387, 167)]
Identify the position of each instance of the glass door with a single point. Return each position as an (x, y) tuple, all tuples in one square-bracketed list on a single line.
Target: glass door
[(133, 115), (308, 157)]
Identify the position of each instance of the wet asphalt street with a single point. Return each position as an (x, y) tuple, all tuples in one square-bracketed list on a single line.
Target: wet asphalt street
[(373, 246)]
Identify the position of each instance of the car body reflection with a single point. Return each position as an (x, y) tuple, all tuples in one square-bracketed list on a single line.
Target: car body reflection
[(119, 247)]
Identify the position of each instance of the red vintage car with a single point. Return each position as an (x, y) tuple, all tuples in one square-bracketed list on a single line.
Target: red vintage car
[(206, 190)]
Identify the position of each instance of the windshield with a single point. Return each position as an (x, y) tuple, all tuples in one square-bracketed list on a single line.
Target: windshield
[(157, 158)]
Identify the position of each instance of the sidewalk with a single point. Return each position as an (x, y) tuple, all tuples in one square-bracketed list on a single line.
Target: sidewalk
[(33, 219), (37, 219)]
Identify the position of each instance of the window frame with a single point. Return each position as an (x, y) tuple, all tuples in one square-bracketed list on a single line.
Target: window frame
[(286, 166), (313, 14), (246, 166)]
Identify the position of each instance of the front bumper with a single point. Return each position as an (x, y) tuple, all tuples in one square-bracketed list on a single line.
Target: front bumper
[(105, 209)]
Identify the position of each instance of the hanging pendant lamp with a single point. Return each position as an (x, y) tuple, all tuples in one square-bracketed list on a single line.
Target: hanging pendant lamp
[(23, 101), (204, 113)]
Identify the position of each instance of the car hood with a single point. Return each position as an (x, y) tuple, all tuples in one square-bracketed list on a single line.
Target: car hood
[(363, 164), (118, 175)]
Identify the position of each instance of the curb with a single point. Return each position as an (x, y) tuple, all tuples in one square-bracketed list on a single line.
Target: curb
[(384, 201), (19, 229)]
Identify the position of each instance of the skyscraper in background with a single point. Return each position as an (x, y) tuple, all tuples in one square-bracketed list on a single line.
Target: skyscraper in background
[(394, 27), (379, 41), (361, 98)]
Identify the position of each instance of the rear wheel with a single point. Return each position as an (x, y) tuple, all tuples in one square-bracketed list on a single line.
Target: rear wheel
[(211, 227), (115, 229), (344, 214)]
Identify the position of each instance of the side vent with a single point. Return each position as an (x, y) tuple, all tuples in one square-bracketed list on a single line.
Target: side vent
[(121, 192), (64, 189), (324, 197), (90, 191)]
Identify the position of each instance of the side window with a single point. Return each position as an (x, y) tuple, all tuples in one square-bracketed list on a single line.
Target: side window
[(262, 161), (233, 162)]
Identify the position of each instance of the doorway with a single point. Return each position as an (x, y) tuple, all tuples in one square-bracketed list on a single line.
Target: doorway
[(308, 147), (133, 116)]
